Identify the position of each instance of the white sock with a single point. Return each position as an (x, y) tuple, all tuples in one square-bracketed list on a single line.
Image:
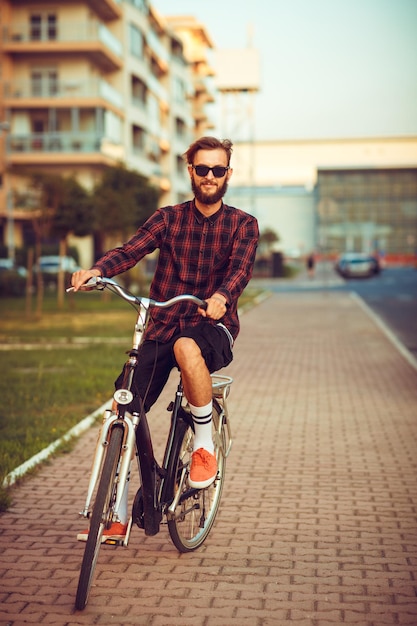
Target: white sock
[(202, 424)]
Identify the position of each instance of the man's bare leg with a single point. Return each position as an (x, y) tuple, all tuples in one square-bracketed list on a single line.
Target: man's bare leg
[(198, 390), (196, 378)]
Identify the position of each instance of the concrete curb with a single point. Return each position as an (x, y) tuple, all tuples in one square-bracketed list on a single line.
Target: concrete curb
[(77, 430)]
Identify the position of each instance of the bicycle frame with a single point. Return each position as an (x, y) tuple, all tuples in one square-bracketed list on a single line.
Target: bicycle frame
[(136, 435), (165, 489)]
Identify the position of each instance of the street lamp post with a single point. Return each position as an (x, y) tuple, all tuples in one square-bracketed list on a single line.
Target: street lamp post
[(5, 127)]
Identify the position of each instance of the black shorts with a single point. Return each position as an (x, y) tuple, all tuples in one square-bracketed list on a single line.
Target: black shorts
[(156, 360)]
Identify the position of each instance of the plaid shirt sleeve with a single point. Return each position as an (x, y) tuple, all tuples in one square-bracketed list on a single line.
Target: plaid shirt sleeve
[(197, 255), (241, 259), (146, 240)]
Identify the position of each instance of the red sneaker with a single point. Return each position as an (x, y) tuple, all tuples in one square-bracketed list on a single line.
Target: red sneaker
[(203, 469), (117, 531)]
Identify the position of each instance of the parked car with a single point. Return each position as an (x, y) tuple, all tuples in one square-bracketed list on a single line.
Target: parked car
[(52, 264), (357, 265), (49, 266)]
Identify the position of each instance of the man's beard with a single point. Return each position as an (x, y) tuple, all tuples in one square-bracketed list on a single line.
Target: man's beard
[(206, 198)]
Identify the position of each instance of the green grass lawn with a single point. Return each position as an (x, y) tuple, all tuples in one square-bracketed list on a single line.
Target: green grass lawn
[(49, 379)]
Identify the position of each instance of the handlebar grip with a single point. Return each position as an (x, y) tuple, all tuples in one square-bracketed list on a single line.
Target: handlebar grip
[(92, 283), (203, 305)]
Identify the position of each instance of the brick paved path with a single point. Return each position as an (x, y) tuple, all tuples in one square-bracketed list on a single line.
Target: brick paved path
[(318, 524)]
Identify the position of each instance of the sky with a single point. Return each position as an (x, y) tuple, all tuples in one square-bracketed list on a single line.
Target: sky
[(329, 68)]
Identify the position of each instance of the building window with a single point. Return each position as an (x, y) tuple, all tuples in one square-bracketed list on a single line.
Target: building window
[(154, 115), (136, 42), (155, 69), (139, 91), (180, 127), (44, 82), (153, 150), (43, 26), (138, 139), (179, 90), (38, 130), (181, 169)]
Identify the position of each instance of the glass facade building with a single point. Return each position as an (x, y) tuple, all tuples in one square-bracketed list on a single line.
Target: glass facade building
[(369, 210)]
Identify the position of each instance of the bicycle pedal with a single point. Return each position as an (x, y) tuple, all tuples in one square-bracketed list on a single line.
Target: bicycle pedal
[(112, 542), (118, 541)]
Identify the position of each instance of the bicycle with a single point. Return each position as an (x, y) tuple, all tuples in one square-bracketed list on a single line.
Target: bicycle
[(164, 490)]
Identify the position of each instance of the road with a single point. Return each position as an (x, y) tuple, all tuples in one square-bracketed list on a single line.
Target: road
[(392, 295)]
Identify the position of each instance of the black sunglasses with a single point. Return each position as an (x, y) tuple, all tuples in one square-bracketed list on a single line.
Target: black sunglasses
[(218, 170)]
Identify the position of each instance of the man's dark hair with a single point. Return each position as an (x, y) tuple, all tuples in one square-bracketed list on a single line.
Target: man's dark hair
[(208, 143)]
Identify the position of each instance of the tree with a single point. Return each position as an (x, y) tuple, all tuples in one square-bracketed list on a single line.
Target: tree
[(44, 193), (74, 212), (123, 200), (61, 206), (267, 239)]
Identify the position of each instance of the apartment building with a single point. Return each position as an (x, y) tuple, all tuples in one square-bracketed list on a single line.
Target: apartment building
[(90, 83), (198, 47)]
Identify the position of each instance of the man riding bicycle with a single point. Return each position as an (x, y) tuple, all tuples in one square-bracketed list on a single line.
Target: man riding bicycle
[(206, 248)]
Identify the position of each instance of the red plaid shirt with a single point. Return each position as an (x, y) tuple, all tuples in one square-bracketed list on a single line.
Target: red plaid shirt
[(197, 255)]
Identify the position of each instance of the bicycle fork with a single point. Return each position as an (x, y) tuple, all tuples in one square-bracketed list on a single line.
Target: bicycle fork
[(126, 454)]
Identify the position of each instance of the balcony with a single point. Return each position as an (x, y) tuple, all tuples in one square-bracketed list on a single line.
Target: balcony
[(61, 147), (159, 52), (157, 89), (91, 39), (106, 9), (205, 89), (47, 91)]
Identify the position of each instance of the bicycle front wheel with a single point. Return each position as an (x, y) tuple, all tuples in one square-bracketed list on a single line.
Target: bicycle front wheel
[(194, 515), (100, 517)]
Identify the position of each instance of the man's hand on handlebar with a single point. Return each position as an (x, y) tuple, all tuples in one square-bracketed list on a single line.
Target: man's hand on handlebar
[(216, 307), (80, 277)]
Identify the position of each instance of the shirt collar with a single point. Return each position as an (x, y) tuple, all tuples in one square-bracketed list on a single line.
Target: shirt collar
[(200, 217)]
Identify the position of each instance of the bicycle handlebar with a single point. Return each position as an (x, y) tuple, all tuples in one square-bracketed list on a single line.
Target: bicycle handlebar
[(100, 283)]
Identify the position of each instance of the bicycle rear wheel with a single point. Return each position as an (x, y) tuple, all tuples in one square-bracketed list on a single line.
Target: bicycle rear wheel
[(100, 517), (194, 515)]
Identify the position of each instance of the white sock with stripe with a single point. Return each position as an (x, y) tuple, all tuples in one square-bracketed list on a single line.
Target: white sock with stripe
[(202, 416)]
